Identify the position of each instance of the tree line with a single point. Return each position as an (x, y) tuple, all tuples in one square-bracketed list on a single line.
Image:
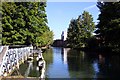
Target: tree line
[(107, 30), (25, 23)]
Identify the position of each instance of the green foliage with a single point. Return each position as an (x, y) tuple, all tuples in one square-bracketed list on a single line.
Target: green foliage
[(109, 24), (25, 23), (0, 23), (80, 30), (92, 43)]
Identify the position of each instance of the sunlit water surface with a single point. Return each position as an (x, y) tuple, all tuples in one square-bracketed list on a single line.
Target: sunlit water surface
[(67, 63)]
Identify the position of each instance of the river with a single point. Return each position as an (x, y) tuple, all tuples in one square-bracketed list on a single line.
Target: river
[(67, 63)]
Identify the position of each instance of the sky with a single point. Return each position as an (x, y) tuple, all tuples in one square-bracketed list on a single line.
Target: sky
[(59, 14)]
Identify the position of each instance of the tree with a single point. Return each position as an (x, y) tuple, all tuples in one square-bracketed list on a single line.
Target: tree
[(80, 30), (109, 24), (25, 23), (0, 23), (71, 35)]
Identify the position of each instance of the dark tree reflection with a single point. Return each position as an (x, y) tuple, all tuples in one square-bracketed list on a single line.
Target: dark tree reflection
[(92, 65)]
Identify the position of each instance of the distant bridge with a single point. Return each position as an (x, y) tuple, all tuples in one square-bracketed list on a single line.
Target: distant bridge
[(12, 58)]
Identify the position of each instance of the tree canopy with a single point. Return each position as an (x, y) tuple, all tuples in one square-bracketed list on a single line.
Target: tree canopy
[(0, 23), (80, 30), (109, 24), (25, 23)]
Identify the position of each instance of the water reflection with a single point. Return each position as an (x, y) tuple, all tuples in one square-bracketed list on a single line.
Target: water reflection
[(28, 69), (48, 55), (109, 66), (67, 63), (64, 52), (79, 65)]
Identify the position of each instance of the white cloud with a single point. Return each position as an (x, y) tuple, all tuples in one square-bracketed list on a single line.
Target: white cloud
[(90, 7)]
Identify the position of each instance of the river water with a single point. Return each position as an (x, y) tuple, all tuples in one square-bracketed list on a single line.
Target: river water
[(67, 63)]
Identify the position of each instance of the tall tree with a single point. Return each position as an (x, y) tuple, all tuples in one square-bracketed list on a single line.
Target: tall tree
[(0, 23), (25, 23), (109, 24), (80, 30)]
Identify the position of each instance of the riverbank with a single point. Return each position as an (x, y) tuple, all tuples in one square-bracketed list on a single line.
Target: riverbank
[(103, 50), (95, 48), (99, 50)]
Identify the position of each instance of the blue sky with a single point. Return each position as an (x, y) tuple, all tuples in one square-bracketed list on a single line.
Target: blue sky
[(59, 14)]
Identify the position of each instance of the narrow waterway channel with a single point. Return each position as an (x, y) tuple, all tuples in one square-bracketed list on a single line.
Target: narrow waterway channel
[(67, 63)]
